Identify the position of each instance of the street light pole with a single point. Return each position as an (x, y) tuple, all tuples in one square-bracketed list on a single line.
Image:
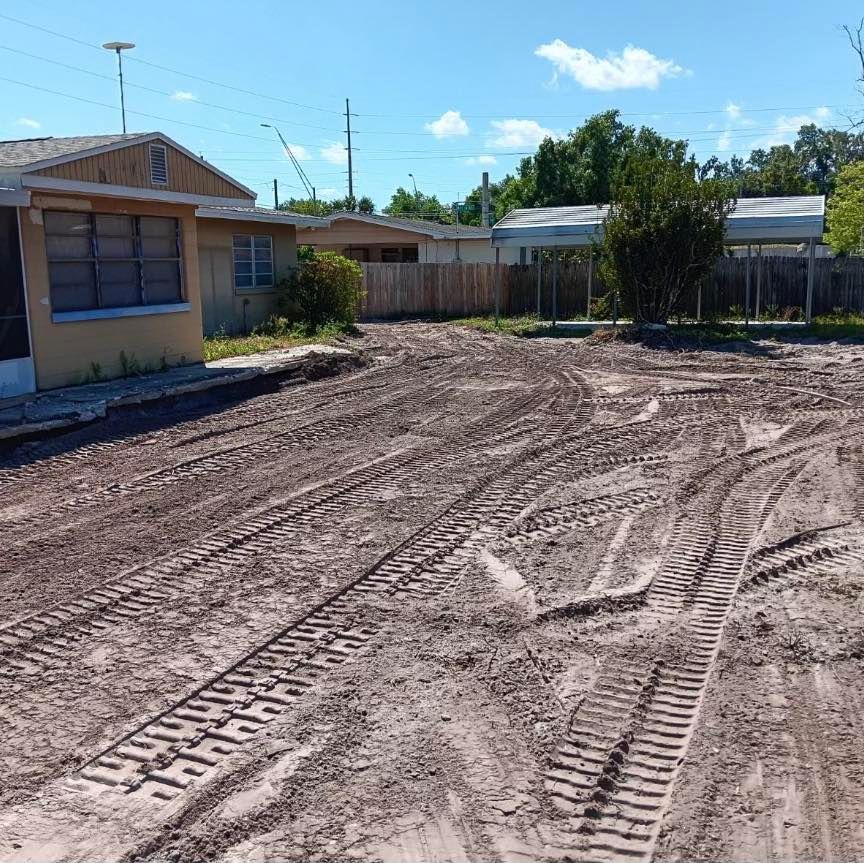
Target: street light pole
[(310, 189), (415, 184), (118, 47)]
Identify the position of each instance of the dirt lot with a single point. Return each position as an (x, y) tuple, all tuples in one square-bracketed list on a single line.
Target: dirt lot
[(485, 599)]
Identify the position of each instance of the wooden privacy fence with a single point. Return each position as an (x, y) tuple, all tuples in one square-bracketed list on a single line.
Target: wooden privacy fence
[(439, 290), (456, 290)]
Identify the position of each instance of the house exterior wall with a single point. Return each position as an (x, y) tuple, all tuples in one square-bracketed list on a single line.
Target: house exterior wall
[(64, 353), (344, 234), (130, 166), (474, 251), (223, 306)]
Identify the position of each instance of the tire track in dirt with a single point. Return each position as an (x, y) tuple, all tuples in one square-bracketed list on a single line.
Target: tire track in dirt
[(28, 644), (296, 659), (616, 766)]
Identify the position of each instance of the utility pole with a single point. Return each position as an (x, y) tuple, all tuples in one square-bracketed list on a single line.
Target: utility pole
[(275, 194), (484, 199), (310, 189), (348, 132)]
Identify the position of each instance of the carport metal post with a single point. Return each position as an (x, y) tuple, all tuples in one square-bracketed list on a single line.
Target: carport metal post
[(758, 279), (554, 287), (811, 259), (539, 274), (747, 290), (590, 283), (497, 284)]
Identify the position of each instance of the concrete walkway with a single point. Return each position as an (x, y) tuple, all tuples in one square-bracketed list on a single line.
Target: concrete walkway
[(25, 416)]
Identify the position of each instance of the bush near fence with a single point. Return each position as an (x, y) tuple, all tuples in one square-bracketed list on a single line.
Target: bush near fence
[(461, 290)]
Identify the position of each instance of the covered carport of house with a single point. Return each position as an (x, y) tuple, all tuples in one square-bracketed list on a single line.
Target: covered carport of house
[(752, 222)]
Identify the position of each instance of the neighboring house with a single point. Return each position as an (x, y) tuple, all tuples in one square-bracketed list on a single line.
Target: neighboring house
[(378, 239), (99, 256), (242, 252)]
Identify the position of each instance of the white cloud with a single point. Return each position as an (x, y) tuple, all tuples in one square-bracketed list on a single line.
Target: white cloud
[(633, 67), (326, 193), (335, 153), (183, 96), (300, 152), (449, 125), (733, 111), (786, 128), (518, 133), (28, 123), (724, 141), (481, 160)]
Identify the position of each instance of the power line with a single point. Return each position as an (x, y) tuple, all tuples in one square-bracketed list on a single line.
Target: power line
[(169, 69)]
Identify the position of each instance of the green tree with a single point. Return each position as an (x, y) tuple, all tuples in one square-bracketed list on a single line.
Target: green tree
[(308, 207), (846, 210), (664, 232), (416, 205)]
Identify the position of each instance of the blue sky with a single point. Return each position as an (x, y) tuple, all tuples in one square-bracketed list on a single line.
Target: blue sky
[(442, 90)]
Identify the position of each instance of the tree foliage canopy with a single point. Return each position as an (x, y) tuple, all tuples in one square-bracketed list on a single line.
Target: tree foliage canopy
[(664, 231), (416, 205), (308, 207), (581, 168), (846, 210)]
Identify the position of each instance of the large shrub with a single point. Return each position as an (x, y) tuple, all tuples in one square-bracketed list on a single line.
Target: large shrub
[(663, 234), (326, 288)]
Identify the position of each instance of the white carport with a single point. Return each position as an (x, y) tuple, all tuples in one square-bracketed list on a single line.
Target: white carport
[(754, 221)]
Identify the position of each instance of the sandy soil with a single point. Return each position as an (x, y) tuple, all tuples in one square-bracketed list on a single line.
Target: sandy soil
[(485, 599)]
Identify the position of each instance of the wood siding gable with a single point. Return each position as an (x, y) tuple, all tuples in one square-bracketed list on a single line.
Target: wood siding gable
[(130, 166)]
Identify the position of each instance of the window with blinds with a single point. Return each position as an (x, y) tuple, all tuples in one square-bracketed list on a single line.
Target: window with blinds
[(253, 263), (106, 261)]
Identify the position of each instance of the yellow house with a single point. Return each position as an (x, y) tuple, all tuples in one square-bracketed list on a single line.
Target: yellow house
[(99, 256)]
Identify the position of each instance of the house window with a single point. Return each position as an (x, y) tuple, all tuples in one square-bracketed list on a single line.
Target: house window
[(391, 256), (409, 255), (253, 263), (158, 164), (102, 261)]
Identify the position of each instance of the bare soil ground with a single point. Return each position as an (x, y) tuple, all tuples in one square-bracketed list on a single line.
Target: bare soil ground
[(485, 600)]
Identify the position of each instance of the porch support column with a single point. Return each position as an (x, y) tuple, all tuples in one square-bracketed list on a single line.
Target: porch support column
[(497, 284), (539, 274), (554, 287), (747, 290), (590, 282), (811, 273)]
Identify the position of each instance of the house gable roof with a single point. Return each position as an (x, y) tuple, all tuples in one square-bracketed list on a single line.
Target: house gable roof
[(33, 155), (417, 226)]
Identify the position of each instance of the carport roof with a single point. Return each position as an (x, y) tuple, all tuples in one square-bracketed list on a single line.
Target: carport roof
[(754, 220)]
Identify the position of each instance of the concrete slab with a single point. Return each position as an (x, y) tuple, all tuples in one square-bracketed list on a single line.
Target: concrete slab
[(27, 416)]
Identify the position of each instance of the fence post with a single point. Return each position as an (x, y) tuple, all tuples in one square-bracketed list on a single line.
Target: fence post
[(590, 282), (811, 260), (554, 287), (758, 278), (699, 301), (539, 274), (497, 284), (747, 291)]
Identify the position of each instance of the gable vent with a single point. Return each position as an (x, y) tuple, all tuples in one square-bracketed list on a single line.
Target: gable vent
[(159, 164)]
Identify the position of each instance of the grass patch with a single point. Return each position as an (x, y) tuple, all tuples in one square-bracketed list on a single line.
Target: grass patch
[(269, 337), (524, 326), (837, 326)]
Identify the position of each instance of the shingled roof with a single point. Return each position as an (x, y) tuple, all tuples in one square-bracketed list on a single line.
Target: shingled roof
[(29, 151), (418, 226)]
